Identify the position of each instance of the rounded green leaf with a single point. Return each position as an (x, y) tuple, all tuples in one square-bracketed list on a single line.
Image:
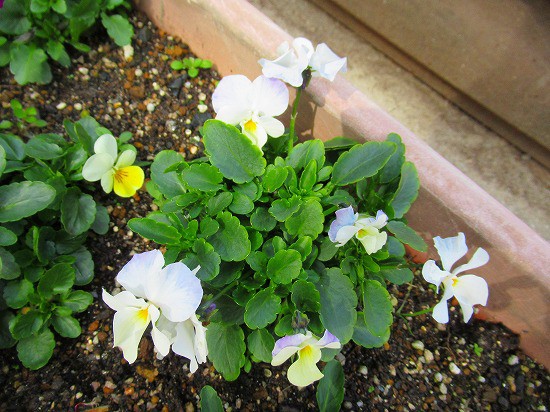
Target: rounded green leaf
[(282, 209), (361, 161), (330, 390), (226, 349), (303, 153), (210, 401), (262, 309), (406, 192), (377, 307), (9, 269), (156, 231), (78, 211), (208, 260), (83, 266), (42, 147), (101, 221), (7, 237), (219, 202), (6, 340), (169, 183), (362, 336), (231, 240), (407, 235), (284, 266), (232, 152), (13, 18), (35, 351), (29, 64), (23, 326), (118, 28), (262, 220), (261, 344), (66, 326), (77, 300), (57, 280), (241, 204), (17, 292), (20, 200), (274, 178), (305, 296), (308, 221), (203, 177)]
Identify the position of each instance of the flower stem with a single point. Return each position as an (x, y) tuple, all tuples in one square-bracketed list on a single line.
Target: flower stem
[(420, 312), (218, 295), (291, 132)]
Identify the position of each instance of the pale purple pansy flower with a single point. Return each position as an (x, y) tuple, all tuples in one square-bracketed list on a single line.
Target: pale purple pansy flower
[(304, 370), (152, 291), (252, 105), (366, 229), (469, 290)]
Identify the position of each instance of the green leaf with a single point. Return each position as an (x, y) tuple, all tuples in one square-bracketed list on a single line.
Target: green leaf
[(118, 28), (170, 184), (17, 292), (6, 340), (232, 152), (261, 344), (57, 51), (282, 209), (56, 281), (303, 245), (361, 161), (9, 269), (20, 200), (262, 220), (43, 146), (241, 204), (305, 296), (77, 301), (226, 349), (362, 336), (330, 390), (13, 146), (59, 6), (219, 202), (210, 401), (406, 192), (7, 237), (339, 143), (308, 221), (203, 176), (83, 266), (407, 235), (156, 231), (231, 240), (2, 158), (77, 211), (392, 169), (39, 6), (29, 64), (66, 326), (101, 221), (377, 307), (274, 178), (205, 64), (284, 266), (177, 65), (35, 351), (303, 153), (228, 311), (327, 250), (398, 276), (13, 17), (23, 326), (193, 72), (262, 309), (208, 260), (338, 303)]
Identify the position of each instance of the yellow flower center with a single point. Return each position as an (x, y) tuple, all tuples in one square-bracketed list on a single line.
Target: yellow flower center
[(306, 351), (121, 175), (143, 313), (250, 126), (455, 281)]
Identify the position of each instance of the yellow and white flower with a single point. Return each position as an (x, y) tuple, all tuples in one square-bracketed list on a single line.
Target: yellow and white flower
[(114, 171), (469, 290), (303, 371)]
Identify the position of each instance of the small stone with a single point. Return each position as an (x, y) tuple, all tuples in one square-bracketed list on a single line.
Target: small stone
[(455, 370), (443, 388), (268, 373), (189, 407), (202, 97), (348, 405), (490, 395), (61, 106), (138, 72), (151, 107), (83, 70), (78, 106), (417, 344), (513, 360), (128, 52), (95, 385), (93, 326), (119, 111), (428, 356), (202, 108), (363, 370), (438, 377), (481, 379)]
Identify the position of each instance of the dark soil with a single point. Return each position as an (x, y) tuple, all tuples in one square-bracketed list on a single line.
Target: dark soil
[(424, 366)]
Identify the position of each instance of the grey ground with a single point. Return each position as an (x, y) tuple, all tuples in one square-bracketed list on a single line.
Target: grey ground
[(510, 176)]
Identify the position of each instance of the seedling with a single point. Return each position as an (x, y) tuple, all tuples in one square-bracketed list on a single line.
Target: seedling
[(28, 115), (478, 350), (192, 65)]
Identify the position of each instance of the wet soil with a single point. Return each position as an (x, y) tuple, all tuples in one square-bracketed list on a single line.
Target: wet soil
[(424, 366)]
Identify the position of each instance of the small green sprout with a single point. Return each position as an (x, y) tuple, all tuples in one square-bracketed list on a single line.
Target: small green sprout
[(478, 350), (28, 115), (192, 65)]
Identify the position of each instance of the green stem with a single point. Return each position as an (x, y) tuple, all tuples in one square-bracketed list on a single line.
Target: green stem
[(291, 132), (222, 292), (420, 312)]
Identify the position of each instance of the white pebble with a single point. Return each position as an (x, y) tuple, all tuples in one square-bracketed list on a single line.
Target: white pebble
[(202, 108), (438, 377), (363, 370), (61, 106), (455, 370), (78, 106), (513, 360), (128, 52), (187, 85), (138, 72), (83, 70), (443, 388), (154, 71), (428, 355), (151, 107), (202, 97), (481, 379), (156, 86), (119, 111), (417, 344)]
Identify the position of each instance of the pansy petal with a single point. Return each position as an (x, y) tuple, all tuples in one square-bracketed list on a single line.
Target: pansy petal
[(480, 258), (140, 270), (371, 239), (287, 346), (256, 134), (326, 63), (329, 341), (129, 325), (122, 300), (304, 49), (304, 371), (273, 127), (432, 273), (200, 344), (184, 343), (126, 158), (450, 249), (106, 144), (96, 166), (161, 341), (233, 114), (441, 312), (108, 180), (128, 180), (269, 96), (286, 68), (345, 234), (232, 91), (176, 290), (470, 290)]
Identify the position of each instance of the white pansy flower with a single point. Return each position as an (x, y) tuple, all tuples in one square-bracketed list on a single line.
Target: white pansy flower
[(252, 105), (366, 229), (303, 371), (469, 290), (114, 171), (292, 62), (152, 291)]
